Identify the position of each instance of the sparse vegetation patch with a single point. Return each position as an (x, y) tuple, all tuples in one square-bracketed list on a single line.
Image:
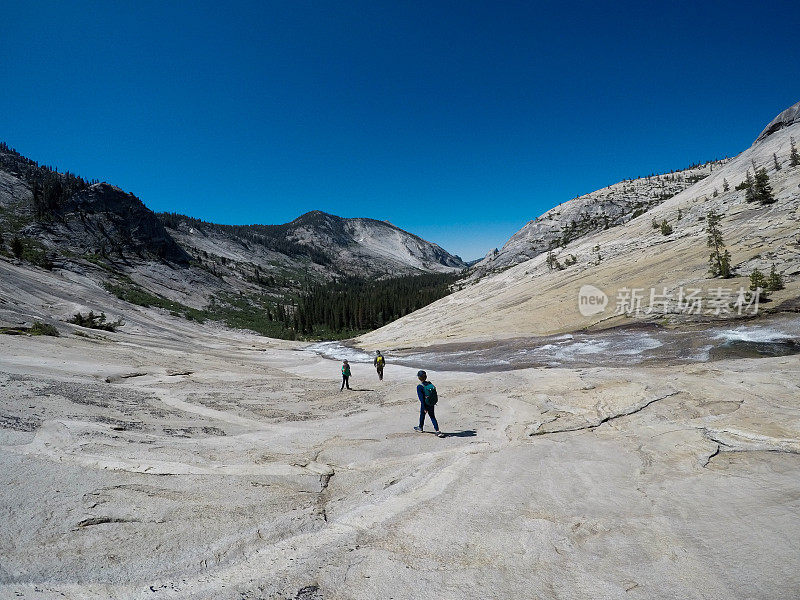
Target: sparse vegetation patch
[(38, 328), (95, 321)]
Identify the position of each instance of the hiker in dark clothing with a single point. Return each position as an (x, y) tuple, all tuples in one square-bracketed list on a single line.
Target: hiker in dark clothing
[(379, 363), (345, 375), (426, 392)]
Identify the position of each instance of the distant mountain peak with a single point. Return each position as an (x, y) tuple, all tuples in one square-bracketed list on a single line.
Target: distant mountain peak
[(315, 214)]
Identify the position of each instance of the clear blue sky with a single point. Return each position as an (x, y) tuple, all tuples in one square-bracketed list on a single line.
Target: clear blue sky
[(458, 121)]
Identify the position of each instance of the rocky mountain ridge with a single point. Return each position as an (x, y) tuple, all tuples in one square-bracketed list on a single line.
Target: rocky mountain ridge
[(65, 215), (328, 245), (61, 220), (591, 213)]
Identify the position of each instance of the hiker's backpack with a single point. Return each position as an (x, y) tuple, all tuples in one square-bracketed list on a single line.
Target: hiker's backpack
[(429, 393), (380, 361)]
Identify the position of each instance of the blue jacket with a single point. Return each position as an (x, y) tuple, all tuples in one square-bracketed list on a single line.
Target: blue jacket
[(421, 393)]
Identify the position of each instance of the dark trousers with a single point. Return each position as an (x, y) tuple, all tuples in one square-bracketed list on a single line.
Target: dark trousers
[(346, 381), (430, 410), (380, 373)]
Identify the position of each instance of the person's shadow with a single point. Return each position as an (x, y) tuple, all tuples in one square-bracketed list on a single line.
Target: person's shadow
[(465, 433)]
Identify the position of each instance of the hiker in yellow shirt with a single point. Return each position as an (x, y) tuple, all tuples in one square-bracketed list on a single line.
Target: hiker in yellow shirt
[(379, 363)]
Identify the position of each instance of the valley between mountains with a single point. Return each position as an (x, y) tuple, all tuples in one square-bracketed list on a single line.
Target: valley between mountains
[(176, 457)]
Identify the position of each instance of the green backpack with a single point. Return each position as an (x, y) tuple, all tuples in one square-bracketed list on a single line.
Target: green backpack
[(429, 393)]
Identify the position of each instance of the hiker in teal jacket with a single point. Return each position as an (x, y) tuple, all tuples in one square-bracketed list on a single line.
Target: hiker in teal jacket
[(426, 392), (345, 375)]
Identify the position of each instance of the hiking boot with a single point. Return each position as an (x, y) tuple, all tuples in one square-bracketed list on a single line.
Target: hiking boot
[(417, 428), (440, 434)]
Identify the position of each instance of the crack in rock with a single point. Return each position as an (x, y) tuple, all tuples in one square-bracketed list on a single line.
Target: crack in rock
[(177, 373), (122, 376), (732, 440), (325, 479), (102, 520), (716, 451), (600, 420)]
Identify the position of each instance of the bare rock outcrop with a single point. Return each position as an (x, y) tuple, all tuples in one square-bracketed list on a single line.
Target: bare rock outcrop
[(788, 117)]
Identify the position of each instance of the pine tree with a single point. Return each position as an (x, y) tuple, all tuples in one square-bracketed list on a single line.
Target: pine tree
[(719, 261), (775, 280), (725, 186), (666, 228), (725, 265), (758, 283), (16, 246), (794, 157), (762, 188), (757, 280), (750, 189), (777, 164)]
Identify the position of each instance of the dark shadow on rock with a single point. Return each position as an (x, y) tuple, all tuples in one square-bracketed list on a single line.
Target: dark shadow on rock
[(465, 433)]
